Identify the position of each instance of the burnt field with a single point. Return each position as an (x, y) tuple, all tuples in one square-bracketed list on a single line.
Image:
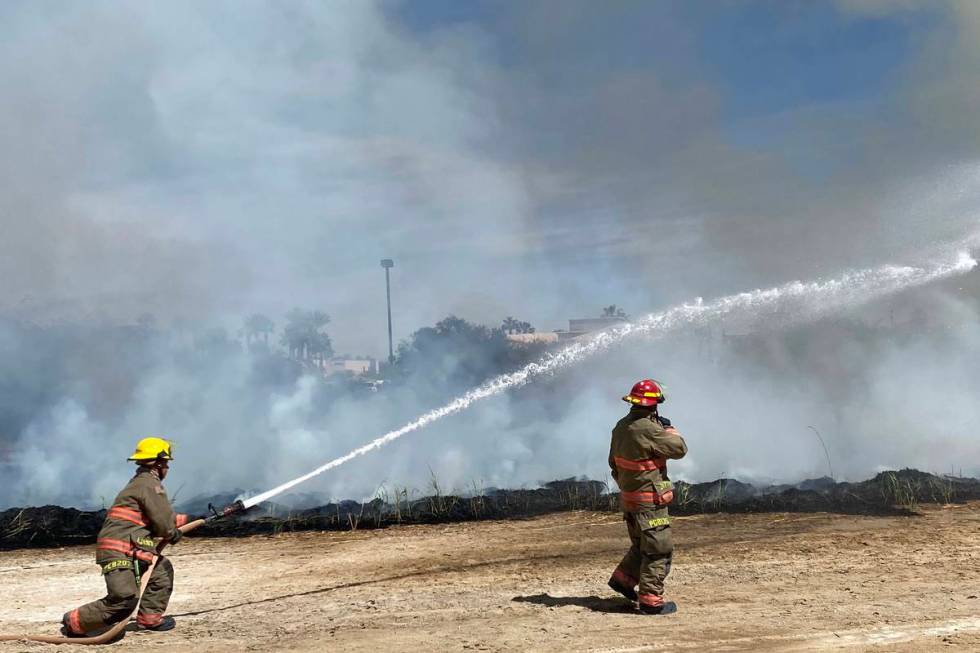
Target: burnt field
[(758, 582), (888, 493)]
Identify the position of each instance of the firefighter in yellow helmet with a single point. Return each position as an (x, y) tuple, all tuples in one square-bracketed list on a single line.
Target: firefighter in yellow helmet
[(641, 444), (126, 546)]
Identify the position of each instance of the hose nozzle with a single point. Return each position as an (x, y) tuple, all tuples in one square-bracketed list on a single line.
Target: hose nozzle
[(231, 509)]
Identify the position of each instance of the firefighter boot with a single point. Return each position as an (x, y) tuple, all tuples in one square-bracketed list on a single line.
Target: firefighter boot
[(664, 608), (66, 627), (628, 592), (166, 623)]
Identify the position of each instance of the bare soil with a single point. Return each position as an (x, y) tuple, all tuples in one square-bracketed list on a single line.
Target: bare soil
[(757, 582)]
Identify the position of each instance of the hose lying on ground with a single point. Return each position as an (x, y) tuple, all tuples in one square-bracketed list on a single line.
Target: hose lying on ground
[(119, 627)]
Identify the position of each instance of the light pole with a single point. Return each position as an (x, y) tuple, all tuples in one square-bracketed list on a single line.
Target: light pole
[(387, 264)]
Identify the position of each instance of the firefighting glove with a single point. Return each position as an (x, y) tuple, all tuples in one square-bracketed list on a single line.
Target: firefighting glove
[(175, 536)]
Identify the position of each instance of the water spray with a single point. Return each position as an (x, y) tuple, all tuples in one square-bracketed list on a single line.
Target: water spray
[(825, 451), (791, 303)]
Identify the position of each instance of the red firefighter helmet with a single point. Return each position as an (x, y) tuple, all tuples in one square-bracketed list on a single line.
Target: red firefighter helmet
[(647, 393)]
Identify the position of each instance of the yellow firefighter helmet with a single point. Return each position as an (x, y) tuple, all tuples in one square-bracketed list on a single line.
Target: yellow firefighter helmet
[(149, 449)]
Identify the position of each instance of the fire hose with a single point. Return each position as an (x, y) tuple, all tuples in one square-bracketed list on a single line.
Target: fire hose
[(118, 628)]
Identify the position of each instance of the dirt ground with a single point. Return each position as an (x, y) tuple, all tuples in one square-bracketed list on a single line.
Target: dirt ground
[(771, 582)]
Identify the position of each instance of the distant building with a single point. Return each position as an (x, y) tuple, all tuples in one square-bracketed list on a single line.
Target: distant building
[(355, 366), (581, 326), (528, 338)]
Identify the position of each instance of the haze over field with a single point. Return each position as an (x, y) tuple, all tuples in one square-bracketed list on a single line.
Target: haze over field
[(201, 163)]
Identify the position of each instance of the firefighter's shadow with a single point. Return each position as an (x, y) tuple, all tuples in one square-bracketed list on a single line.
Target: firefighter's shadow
[(594, 603)]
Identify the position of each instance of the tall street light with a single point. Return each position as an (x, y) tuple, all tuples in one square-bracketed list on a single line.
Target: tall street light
[(387, 264)]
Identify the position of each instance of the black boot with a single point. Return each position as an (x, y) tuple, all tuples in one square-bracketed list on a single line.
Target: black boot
[(66, 630), (664, 608), (628, 592), (167, 623)]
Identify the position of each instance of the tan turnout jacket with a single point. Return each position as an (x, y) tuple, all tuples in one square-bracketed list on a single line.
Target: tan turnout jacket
[(638, 459), (140, 513)]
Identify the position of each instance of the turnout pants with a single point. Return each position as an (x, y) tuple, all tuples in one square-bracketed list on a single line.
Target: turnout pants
[(647, 563), (122, 593)]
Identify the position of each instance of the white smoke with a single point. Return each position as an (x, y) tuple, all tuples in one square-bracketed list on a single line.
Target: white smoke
[(202, 161)]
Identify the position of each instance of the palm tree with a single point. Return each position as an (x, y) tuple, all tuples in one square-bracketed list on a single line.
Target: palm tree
[(321, 349), (264, 326), (256, 325), (146, 321), (510, 325), (613, 311), (303, 337)]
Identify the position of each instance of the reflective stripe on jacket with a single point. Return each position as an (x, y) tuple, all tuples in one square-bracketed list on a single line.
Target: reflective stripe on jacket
[(138, 514), (638, 457)]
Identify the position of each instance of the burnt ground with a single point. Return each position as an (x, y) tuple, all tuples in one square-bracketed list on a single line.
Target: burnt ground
[(759, 582), (888, 493)]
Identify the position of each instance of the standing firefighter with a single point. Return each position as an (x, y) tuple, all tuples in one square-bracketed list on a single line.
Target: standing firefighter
[(126, 547), (641, 444)]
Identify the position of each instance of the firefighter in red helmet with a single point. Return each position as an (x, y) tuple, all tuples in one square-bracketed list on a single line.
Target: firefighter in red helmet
[(642, 442)]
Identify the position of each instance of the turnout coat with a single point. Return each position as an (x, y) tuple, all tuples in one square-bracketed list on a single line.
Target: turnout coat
[(641, 445), (140, 513)]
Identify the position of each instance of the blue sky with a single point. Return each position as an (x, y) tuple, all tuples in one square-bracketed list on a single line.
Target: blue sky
[(780, 56), (766, 57), (820, 89)]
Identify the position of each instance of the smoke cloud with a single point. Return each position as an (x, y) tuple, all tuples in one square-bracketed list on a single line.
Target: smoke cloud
[(199, 163)]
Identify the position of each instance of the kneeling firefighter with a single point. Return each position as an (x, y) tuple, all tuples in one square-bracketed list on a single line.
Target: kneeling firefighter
[(125, 548), (641, 444)]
